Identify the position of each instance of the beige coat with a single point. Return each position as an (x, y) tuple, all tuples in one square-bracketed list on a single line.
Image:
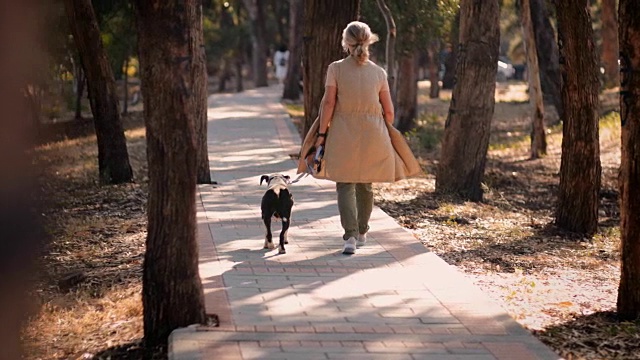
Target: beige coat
[(360, 146)]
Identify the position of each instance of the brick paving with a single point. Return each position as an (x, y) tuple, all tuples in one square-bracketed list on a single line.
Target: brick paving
[(393, 299)]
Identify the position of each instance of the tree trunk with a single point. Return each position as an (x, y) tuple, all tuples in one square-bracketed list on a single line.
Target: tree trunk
[(238, 70), (21, 234), (450, 62), (466, 135), (578, 195), (258, 41), (80, 82), (292, 81), (629, 31), (390, 48), (434, 67), (281, 12), (169, 49), (125, 87), (324, 21), (113, 158), (538, 136), (201, 92), (610, 43), (547, 49), (225, 74), (407, 107)]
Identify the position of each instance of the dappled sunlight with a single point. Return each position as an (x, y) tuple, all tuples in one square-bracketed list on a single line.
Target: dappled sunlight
[(137, 133), (378, 300)]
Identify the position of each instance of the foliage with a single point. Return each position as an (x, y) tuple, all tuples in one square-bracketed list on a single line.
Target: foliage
[(428, 133), (116, 22), (225, 28), (430, 19)]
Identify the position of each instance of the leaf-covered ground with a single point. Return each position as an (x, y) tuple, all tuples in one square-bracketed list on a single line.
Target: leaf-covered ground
[(88, 292), (559, 285)]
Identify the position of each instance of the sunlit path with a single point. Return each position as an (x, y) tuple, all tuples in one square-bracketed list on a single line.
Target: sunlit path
[(392, 300)]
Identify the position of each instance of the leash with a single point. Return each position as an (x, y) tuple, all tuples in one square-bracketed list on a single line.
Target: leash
[(319, 153), (300, 177)]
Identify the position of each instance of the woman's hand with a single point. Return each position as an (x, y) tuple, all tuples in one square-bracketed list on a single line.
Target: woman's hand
[(319, 141)]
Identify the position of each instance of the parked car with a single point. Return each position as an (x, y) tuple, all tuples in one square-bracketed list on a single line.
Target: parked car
[(506, 70)]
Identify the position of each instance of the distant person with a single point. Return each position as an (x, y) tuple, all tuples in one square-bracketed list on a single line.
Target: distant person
[(355, 128), (281, 60)]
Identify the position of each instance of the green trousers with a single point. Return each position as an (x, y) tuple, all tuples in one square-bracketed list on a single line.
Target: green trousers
[(355, 203)]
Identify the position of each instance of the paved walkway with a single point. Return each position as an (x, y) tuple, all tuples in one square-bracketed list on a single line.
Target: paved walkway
[(392, 300)]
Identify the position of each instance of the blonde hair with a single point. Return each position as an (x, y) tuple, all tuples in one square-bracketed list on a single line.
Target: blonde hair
[(356, 38)]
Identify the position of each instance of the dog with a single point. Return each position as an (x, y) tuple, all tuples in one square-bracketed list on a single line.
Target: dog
[(277, 202)]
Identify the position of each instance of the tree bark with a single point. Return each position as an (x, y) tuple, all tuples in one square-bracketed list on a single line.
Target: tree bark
[(390, 48), (169, 49), (292, 81), (629, 33), (578, 196), (113, 158), (610, 43), (281, 13), (538, 136), (258, 41), (80, 83), (238, 61), (434, 67), (466, 136), (450, 62), (407, 106), (324, 21), (125, 87), (547, 49), (225, 74), (201, 92)]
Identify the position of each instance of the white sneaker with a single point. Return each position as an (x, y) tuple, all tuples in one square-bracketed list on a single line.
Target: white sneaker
[(349, 246), (362, 239)]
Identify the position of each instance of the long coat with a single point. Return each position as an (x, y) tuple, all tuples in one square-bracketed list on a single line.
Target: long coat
[(360, 146), (405, 164)]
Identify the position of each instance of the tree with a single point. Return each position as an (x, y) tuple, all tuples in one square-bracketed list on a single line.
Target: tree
[(113, 158), (80, 82), (466, 135), (390, 49), (115, 19), (324, 21), (538, 136), (547, 49), (258, 41), (433, 53), (407, 87), (629, 290), (21, 234), (578, 194), (200, 92), (168, 48), (420, 25), (292, 81), (610, 43), (450, 61)]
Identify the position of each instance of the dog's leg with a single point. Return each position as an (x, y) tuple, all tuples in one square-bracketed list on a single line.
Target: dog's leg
[(283, 235), (268, 239)]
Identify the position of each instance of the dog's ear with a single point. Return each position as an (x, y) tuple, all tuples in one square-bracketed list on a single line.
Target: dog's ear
[(264, 178)]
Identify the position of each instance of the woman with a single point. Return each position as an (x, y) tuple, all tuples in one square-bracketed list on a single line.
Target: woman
[(354, 126), (281, 60)]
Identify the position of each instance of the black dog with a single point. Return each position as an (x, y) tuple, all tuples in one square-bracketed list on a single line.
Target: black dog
[(276, 202)]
